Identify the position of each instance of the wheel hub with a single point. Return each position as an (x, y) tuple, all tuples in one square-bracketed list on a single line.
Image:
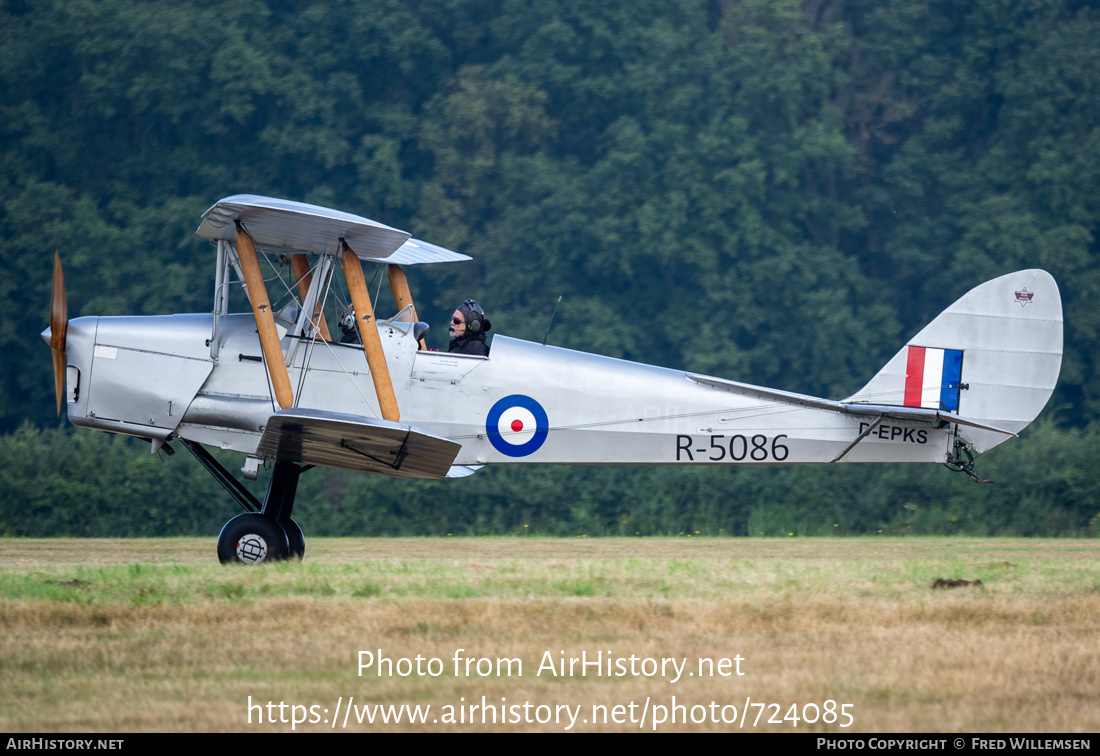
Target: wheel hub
[(251, 549)]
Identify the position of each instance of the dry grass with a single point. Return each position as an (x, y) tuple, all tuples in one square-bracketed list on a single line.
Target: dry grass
[(132, 635)]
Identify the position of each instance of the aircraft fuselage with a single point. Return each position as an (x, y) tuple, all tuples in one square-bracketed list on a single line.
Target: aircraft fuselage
[(154, 377)]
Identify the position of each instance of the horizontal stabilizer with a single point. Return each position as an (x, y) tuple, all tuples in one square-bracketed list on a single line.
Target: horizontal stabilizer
[(360, 444), (933, 416)]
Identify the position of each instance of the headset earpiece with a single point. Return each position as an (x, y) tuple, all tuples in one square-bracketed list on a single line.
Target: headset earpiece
[(474, 316)]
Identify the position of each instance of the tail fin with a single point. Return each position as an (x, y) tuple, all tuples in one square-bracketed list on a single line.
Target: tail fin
[(994, 356)]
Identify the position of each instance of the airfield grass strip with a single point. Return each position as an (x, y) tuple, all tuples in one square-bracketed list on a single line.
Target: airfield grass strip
[(91, 642)]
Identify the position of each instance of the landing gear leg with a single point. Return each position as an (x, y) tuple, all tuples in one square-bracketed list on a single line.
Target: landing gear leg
[(279, 503), (265, 532)]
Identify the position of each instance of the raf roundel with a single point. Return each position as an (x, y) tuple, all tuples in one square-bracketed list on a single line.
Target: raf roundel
[(517, 425)]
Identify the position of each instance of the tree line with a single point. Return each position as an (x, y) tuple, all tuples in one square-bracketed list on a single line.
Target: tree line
[(775, 192)]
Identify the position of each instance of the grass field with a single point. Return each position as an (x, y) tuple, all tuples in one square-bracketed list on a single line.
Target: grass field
[(137, 635)]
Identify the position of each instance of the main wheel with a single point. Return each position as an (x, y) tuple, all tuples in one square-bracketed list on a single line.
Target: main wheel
[(251, 538), (295, 538)]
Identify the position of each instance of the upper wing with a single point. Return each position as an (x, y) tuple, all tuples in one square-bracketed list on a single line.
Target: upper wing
[(293, 227), (361, 444), (416, 251)]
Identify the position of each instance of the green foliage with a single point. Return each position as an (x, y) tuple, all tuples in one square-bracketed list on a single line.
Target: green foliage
[(76, 483), (766, 190), (60, 483)]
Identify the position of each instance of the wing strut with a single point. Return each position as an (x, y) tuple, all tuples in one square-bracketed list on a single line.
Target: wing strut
[(300, 266), (265, 320), (399, 285), (368, 332)]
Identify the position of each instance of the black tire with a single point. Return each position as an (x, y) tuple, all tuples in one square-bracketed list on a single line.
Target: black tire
[(295, 538), (251, 539)]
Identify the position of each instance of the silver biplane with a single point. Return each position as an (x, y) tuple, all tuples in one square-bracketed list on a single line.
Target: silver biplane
[(276, 387)]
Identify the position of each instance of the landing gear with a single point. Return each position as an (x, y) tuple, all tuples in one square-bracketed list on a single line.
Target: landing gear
[(961, 459), (296, 539), (265, 533), (252, 538)]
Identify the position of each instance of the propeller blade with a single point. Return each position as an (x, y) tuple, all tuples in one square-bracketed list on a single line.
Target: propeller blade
[(58, 376), (59, 328)]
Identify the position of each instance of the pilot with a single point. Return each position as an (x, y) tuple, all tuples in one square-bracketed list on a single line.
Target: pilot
[(348, 333), (468, 328)]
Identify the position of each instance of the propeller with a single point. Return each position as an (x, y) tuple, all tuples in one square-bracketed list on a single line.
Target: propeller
[(59, 328)]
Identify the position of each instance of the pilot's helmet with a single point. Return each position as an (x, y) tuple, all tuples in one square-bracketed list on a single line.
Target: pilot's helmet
[(347, 321), (476, 322)]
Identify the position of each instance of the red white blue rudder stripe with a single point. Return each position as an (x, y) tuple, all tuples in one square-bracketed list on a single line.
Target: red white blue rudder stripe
[(932, 378)]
